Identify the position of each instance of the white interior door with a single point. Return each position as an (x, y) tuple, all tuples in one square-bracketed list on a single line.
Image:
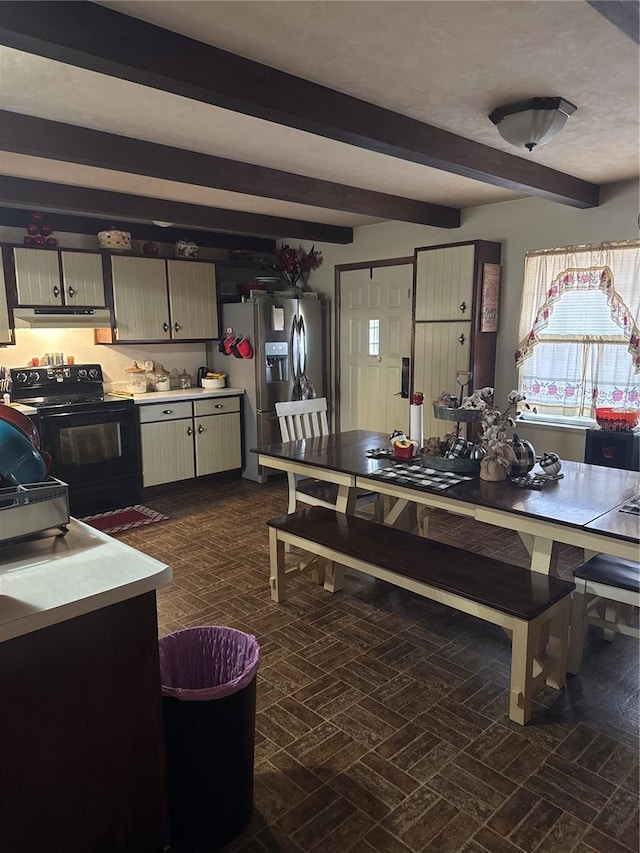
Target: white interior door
[(375, 334)]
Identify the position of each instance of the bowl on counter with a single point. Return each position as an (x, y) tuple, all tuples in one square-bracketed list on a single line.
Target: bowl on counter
[(20, 462), (209, 384), (617, 420)]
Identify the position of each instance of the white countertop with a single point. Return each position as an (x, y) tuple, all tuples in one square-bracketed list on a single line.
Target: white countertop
[(49, 580), (177, 394)]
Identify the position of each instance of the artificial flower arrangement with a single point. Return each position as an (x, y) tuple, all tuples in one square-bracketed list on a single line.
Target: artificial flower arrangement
[(294, 264), (499, 455)]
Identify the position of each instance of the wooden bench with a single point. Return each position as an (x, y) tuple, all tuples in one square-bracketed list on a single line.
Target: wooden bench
[(607, 593), (531, 606)]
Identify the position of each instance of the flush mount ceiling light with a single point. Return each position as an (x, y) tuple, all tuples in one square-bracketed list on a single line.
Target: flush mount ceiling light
[(535, 121), (161, 224)]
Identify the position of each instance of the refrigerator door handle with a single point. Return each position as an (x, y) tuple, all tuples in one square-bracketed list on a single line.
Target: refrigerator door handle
[(295, 348), (302, 347)]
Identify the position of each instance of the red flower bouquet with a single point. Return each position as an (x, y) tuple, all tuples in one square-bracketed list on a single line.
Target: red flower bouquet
[(294, 264)]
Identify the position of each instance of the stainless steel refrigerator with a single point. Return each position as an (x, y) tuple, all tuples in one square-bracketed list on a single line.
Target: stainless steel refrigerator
[(287, 336)]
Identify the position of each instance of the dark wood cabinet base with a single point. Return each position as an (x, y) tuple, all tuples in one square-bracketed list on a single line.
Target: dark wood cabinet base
[(82, 763)]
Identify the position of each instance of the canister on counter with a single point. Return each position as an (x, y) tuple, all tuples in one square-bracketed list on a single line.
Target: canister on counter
[(136, 379), (162, 379)]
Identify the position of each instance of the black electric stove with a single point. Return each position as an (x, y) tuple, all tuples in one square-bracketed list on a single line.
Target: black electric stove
[(93, 441), (62, 385)]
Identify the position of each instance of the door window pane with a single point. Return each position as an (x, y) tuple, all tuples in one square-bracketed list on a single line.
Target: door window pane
[(374, 337)]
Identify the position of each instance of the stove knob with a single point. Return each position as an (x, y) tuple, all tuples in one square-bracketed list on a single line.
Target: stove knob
[(93, 373), (82, 373), (33, 376), (21, 377)]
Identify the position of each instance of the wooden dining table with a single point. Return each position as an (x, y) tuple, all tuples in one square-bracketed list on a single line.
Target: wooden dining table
[(583, 508)]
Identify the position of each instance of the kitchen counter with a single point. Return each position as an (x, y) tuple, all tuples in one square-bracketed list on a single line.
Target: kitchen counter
[(49, 580), (81, 733), (174, 395), (177, 394)]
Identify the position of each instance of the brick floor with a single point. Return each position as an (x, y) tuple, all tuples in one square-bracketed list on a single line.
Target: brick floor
[(382, 717)]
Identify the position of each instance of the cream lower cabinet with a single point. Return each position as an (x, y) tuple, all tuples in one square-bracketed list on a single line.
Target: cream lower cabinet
[(166, 439), (217, 435), (184, 440), (441, 349)]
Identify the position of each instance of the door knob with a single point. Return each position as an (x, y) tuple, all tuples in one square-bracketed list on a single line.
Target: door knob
[(71, 291), (200, 428), (461, 339), (177, 327), (189, 431), (165, 326), (463, 307), (56, 290)]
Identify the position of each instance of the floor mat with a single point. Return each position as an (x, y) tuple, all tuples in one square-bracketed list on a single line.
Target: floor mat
[(126, 518)]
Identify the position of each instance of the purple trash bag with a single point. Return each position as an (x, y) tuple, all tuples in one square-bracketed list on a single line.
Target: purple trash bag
[(211, 662)]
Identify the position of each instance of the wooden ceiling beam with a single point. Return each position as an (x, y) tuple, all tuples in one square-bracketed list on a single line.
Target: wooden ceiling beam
[(624, 14), (99, 39), (62, 198), (40, 137)]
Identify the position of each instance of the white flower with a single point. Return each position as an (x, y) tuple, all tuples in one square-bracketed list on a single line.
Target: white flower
[(494, 422), (485, 393)]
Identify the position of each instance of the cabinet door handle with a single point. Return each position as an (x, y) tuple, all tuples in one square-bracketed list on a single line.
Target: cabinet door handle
[(177, 327), (200, 428), (189, 431), (56, 290), (463, 307), (219, 406), (461, 340), (165, 326), (71, 291), (167, 411)]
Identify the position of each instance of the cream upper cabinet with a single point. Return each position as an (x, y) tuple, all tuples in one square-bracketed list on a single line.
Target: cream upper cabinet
[(159, 300), (82, 279), (140, 301), (192, 300), (444, 283), (5, 332), (39, 280), (37, 277)]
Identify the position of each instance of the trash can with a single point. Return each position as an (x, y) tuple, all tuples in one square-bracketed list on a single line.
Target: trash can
[(208, 678)]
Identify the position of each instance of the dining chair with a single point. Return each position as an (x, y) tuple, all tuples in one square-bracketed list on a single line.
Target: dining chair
[(606, 594), (308, 419)]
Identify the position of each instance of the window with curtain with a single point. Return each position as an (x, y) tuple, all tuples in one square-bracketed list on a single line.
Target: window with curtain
[(578, 339)]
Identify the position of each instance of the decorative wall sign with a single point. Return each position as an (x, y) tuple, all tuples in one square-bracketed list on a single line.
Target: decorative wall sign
[(490, 292)]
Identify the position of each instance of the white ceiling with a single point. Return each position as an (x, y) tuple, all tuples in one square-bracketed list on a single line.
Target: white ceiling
[(445, 63)]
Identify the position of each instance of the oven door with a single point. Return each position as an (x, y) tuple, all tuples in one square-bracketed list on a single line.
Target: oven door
[(92, 445)]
